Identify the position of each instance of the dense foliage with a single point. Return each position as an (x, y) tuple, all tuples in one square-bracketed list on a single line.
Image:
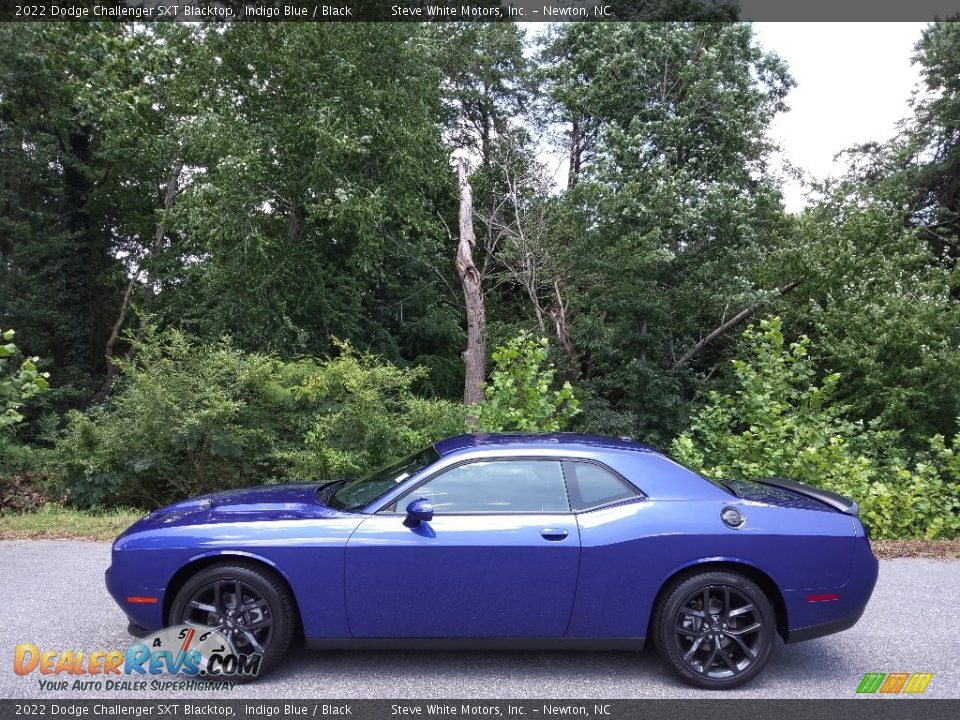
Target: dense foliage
[(290, 186), (519, 396), (20, 381), (779, 421), (670, 206), (188, 418), (365, 414)]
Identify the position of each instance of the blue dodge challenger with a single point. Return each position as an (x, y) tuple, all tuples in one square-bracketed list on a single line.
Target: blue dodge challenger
[(509, 541)]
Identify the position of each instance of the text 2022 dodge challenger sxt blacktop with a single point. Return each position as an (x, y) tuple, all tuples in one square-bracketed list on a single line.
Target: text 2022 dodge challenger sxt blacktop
[(506, 541)]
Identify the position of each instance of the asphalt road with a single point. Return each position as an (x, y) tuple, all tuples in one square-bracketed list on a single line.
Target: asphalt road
[(52, 594)]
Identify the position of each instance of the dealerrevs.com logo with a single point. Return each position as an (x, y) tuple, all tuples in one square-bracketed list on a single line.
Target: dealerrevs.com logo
[(202, 658), (894, 683)]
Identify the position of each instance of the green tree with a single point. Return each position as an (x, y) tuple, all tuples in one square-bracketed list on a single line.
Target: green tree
[(519, 395), (881, 307), (280, 184), (878, 253), (778, 421), (487, 82), (933, 141), (671, 208), (88, 118), (316, 211)]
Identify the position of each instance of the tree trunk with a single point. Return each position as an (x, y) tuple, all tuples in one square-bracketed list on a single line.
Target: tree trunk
[(474, 357), (573, 171), (173, 189), (559, 316), (295, 220), (84, 257)]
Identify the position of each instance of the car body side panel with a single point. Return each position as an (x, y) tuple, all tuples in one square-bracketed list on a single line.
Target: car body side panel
[(492, 575), (629, 551), (307, 553)]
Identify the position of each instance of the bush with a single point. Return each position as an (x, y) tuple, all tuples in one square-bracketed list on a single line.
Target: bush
[(18, 384), (519, 396), (182, 420), (187, 419), (367, 415), (922, 500), (780, 422)]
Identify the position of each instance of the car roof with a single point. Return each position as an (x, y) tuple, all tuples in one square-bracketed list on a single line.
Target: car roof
[(535, 441)]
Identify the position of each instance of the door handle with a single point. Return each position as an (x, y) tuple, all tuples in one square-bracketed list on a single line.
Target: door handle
[(554, 534)]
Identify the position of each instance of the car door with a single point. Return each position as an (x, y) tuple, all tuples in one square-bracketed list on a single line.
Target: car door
[(498, 559)]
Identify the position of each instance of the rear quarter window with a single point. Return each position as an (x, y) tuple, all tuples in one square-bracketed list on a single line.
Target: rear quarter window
[(591, 485)]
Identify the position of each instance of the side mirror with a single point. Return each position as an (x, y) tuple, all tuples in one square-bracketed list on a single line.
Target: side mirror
[(419, 510)]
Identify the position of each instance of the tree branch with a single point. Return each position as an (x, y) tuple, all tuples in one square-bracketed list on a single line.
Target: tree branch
[(160, 231), (730, 324)]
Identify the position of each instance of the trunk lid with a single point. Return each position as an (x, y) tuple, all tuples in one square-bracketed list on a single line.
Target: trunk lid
[(792, 494)]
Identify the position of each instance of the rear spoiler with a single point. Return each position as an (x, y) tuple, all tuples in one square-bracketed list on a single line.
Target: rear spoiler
[(837, 502)]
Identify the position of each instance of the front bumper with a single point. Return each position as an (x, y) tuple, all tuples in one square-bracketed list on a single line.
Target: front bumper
[(143, 615), (136, 630)]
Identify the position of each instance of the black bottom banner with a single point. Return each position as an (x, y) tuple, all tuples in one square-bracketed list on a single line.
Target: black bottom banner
[(719, 709)]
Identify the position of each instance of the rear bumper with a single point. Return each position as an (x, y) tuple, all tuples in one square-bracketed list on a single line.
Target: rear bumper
[(827, 628), (812, 616)]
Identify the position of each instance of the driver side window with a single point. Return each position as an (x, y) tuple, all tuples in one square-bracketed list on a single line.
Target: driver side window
[(497, 486)]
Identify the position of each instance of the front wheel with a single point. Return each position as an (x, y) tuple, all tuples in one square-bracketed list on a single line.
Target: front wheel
[(715, 629), (247, 603)]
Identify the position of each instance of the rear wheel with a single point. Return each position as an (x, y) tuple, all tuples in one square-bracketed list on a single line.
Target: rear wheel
[(715, 629), (245, 602)]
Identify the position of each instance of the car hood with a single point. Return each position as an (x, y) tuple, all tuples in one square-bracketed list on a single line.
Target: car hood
[(254, 504)]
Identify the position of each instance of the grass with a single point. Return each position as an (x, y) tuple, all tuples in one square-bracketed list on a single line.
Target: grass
[(55, 522)]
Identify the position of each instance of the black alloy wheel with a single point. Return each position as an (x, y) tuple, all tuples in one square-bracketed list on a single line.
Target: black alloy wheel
[(247, 603), (236, 610), (716, 629)]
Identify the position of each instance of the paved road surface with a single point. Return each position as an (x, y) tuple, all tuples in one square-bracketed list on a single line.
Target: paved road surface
[(52, 595)]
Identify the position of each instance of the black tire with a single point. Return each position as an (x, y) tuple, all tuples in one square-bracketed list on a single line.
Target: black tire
[(267, 626), (724, 647)]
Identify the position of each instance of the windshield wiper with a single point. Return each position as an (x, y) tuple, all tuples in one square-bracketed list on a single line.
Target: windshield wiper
[(325, 491)]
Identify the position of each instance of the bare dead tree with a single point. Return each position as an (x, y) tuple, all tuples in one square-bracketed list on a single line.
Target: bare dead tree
[(559, 315), (474, 357), (520, 229)]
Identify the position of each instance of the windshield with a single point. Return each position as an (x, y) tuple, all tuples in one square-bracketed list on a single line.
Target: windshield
[(356, 494)]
